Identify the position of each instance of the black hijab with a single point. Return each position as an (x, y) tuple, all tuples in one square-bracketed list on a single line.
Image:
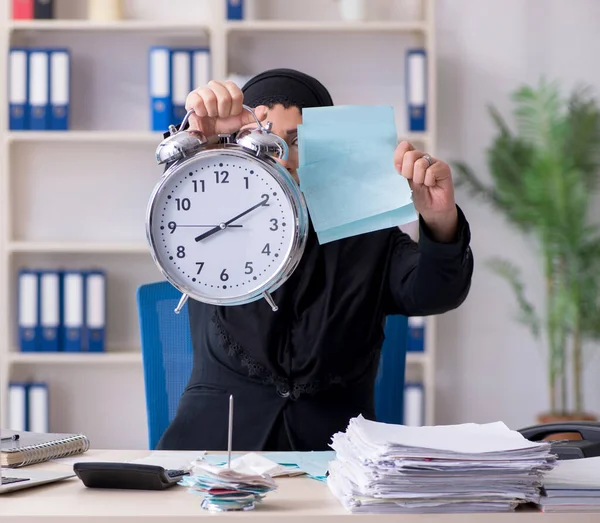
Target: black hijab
[(262, 339), (287, 87)]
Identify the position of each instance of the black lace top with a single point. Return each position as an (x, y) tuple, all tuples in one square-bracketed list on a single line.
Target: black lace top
[(330, 324)]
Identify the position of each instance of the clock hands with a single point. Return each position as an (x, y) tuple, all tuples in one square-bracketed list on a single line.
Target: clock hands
[(198, 226), (224, 225)]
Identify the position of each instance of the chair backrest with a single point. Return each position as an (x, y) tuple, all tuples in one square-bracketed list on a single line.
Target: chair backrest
[(167, 353), (390, 380), (167, 356)]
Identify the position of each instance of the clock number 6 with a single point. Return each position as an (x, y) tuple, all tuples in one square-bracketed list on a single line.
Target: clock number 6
[(224, 275)]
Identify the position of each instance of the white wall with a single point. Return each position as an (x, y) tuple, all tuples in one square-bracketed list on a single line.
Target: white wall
[(489, 367)]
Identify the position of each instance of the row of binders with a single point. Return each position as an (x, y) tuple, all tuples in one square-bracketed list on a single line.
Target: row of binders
[(39, 89), (61, 310), (173, 73), (28, 406)]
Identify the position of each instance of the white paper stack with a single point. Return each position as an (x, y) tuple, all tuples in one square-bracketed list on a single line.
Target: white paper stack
[(572, 486), (386, 468)]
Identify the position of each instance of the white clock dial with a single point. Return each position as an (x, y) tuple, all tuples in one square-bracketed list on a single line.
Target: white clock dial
[(222, 227)]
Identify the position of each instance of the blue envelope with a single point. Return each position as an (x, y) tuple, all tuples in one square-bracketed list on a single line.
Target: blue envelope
[(347, 172)]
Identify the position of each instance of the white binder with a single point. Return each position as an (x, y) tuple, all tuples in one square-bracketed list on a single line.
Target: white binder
[(38, 404)]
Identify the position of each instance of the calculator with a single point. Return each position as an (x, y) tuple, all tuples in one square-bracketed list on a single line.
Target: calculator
[(124, 475)]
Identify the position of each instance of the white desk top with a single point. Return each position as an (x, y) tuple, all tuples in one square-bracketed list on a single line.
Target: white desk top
[(297, 498)]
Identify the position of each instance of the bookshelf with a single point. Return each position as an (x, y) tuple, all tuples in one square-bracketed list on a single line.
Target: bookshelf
[(77, 199)]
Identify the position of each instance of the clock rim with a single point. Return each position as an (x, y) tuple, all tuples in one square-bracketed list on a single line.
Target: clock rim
[(293, 194)]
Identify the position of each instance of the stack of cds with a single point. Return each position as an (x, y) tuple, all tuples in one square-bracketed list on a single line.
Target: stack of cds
[(225, 489), (386, 468)]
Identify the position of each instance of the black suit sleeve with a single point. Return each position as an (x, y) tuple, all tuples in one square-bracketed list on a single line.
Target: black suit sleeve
[(429, 277)]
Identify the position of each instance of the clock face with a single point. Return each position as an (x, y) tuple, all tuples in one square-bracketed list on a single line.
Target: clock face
[(222, 227)]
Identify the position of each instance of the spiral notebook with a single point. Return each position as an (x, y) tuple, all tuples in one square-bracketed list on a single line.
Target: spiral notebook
[(36, 447)]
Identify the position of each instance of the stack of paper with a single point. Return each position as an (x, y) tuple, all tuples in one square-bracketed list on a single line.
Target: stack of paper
[(347, 171), (572, 486), (225, 489), (449, 468)]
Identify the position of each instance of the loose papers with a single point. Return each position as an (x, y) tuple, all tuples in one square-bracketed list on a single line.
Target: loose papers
[(468, 467), (347, 172), (224, 489)]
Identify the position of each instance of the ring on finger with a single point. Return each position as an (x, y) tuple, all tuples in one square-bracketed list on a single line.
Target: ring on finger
[(429, 159)]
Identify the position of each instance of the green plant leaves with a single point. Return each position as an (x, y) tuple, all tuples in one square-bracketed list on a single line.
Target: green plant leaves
[(544, 175)]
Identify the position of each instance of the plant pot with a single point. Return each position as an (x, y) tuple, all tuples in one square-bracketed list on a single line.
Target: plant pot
[(548, 417)]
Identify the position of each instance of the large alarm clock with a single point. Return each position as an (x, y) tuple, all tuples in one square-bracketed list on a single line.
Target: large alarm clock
[(226, 223)]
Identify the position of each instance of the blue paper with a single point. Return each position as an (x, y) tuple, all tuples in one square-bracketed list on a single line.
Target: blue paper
[(347, 173)]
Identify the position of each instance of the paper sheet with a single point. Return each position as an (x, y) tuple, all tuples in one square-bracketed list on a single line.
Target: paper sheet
[(347, 172)]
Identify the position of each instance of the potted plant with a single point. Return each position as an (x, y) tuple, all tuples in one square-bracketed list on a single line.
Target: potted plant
[(544, 176)]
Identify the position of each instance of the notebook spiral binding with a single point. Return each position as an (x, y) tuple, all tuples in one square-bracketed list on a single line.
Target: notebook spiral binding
[(60, 448)]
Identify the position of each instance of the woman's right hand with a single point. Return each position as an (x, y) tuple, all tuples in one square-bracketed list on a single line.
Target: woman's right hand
[(218, 109)]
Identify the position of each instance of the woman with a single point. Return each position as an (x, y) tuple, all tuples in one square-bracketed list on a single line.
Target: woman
[(300, 374)]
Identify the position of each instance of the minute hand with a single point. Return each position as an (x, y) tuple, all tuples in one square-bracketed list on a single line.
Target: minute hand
[(224, 225)]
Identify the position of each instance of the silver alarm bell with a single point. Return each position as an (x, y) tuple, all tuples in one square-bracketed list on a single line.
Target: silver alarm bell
[(180, 144), (263, 142), (185, 143)]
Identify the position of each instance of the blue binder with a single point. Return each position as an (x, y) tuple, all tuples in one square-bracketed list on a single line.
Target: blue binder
[(50, 310), (73, 310), (39, 90), (416, 89), (159, 83), (38, 407), (416, 334), (235, 9), (414, 404), (389, 383), (181, 82), (18, 95), (95, 310), (60, 94), (29, 310), (18, 405), (201, 67)]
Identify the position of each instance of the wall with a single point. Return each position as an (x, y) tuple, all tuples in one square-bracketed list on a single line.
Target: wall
[(489, 367)]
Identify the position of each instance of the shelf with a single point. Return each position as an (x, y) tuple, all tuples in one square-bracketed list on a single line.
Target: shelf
[(310, 26), (141, 137), (417, 358), (79, 247), (75, 357), (119, 25)]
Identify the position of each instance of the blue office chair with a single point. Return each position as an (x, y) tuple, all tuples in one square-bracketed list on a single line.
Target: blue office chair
[(167, 353), (167, 359)]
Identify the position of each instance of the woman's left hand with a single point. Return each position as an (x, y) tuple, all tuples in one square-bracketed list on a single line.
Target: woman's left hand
[(432, 190)]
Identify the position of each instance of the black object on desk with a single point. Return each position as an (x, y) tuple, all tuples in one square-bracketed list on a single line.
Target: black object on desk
[(126, 475), (586, 447)]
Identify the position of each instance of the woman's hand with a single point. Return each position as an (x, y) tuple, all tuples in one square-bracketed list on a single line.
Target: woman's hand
[(218, 109), (433, 190)]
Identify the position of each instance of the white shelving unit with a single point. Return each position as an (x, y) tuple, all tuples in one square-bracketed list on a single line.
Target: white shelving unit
[(78, 198)]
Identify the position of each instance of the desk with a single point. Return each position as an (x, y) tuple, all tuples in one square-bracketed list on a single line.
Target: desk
[(297, 500)]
